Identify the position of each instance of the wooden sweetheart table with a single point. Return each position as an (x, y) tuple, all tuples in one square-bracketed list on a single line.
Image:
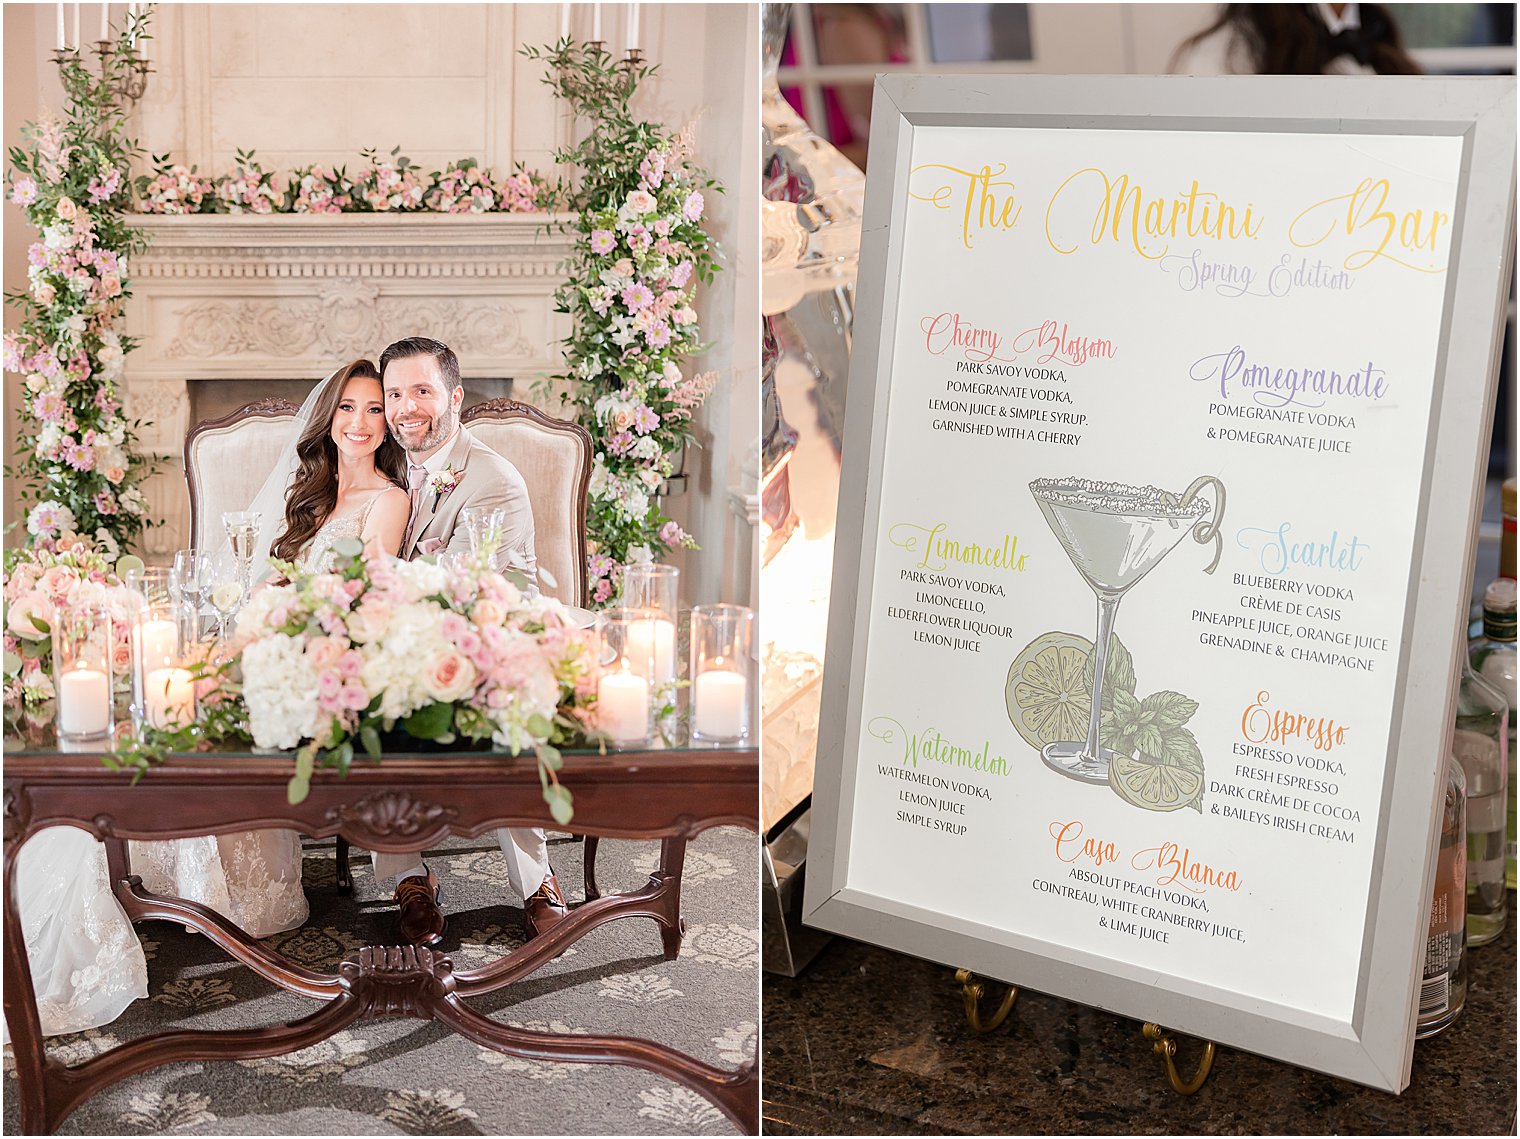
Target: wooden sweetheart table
[(406, 802)]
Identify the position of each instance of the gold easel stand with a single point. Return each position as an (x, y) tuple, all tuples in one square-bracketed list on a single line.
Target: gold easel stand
[(1166, 1048), (972, 991)]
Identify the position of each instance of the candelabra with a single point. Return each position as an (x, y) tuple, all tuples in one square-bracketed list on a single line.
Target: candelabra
[(123, 71)]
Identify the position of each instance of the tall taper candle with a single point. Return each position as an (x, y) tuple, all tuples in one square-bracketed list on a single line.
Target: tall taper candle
[(105, 21), (564, 21), (596, 23), (62, 43), (76, 27), (633, 26)]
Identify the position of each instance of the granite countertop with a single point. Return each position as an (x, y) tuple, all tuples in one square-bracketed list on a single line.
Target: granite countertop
[(871, 1042)]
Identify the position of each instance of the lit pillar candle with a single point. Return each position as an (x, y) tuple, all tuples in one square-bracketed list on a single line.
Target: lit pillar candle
[(622, 704), (170, 695), (720, 698), (159, 642), (84, 702), (653, 640)]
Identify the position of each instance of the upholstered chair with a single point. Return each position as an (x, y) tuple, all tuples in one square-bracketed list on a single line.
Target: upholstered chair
[(554, 457), (228, 459)]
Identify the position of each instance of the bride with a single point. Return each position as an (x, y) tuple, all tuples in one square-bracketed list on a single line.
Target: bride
[(340, 477)]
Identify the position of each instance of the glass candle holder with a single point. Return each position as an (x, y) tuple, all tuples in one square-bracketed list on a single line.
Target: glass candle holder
[(83, 676), (163, 688), (653, 591), (722, 673), (624, 695)]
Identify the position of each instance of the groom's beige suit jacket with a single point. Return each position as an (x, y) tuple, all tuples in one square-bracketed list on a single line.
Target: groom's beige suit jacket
[(483, 478)]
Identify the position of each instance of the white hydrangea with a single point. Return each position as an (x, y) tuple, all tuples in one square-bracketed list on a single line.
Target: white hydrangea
[(280, 690)]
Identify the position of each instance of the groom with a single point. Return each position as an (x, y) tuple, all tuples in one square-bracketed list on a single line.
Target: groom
[(448, 470)]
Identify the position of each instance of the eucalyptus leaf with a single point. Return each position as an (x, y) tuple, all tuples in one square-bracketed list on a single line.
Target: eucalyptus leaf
[(297, 790), (370, 739), (559, 804), (539, 725), (13, 663), (348, 547)]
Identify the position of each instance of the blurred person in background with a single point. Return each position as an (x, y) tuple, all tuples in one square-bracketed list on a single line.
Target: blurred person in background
[(1297, 39)]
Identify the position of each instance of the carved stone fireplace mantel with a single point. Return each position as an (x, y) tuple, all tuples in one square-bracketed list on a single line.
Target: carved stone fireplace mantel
[(293, 296)]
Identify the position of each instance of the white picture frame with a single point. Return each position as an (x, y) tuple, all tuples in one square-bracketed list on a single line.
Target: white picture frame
[(1374, 1045)]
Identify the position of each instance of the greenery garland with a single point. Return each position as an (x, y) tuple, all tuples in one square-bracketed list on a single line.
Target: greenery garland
[(639, 253), (72, 177)]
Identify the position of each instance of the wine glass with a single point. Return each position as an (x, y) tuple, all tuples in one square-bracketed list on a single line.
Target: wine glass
[(483, 525), (188, 581), (242, 528), (228, 592)]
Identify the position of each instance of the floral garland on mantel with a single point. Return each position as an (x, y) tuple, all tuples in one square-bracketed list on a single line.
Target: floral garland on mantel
[(639, 252), (387, 185), (71, 176)]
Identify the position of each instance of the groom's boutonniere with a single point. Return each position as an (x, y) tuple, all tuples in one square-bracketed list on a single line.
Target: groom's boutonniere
[(443, 482)]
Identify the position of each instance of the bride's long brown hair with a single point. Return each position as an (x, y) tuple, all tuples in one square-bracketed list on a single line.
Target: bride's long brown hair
[(313, 492)]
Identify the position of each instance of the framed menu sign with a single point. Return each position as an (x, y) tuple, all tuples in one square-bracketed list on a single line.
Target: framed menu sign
[(1167, 415)]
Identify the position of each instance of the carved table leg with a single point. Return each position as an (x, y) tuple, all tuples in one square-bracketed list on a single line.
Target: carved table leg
[(588, 868), (20, 998), (345, 876), (672, 924)]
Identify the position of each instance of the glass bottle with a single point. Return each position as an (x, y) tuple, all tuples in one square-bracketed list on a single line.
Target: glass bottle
[(1443, 983), (1481, 743), (1493, 659)]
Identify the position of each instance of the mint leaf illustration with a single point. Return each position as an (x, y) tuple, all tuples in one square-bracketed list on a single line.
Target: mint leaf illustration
[(1171, 709)]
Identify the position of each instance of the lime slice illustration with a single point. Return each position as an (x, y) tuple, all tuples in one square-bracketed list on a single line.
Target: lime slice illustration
[(1154, 786), (1047, 699)]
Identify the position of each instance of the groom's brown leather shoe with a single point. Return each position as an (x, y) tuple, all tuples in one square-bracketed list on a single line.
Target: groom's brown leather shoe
[(421, 919), (546, 908)]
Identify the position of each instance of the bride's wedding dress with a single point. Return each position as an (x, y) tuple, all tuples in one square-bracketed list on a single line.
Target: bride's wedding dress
[(87, 963)]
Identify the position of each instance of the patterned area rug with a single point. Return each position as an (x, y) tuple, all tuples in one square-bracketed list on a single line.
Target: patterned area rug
[(410, 1077)]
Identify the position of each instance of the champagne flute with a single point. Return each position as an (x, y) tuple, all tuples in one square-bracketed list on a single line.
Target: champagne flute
[(242, 528)]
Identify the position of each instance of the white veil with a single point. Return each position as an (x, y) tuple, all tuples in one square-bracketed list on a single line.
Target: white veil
[(269, 502)]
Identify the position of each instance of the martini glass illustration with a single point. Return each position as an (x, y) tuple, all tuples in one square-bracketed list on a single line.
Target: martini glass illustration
[(1116, 534)]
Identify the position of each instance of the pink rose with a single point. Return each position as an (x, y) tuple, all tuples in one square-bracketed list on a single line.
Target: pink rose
[(449, 676), (114, 475), (369, 622), (323, 652), (67, 209), (22, 610), (489, 611)]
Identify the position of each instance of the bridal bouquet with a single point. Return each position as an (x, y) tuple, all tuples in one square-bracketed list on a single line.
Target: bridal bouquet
[(38, 581), (331, 660)]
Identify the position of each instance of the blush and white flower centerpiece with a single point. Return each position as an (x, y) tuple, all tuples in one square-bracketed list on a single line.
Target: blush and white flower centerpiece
[(331, 660)]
